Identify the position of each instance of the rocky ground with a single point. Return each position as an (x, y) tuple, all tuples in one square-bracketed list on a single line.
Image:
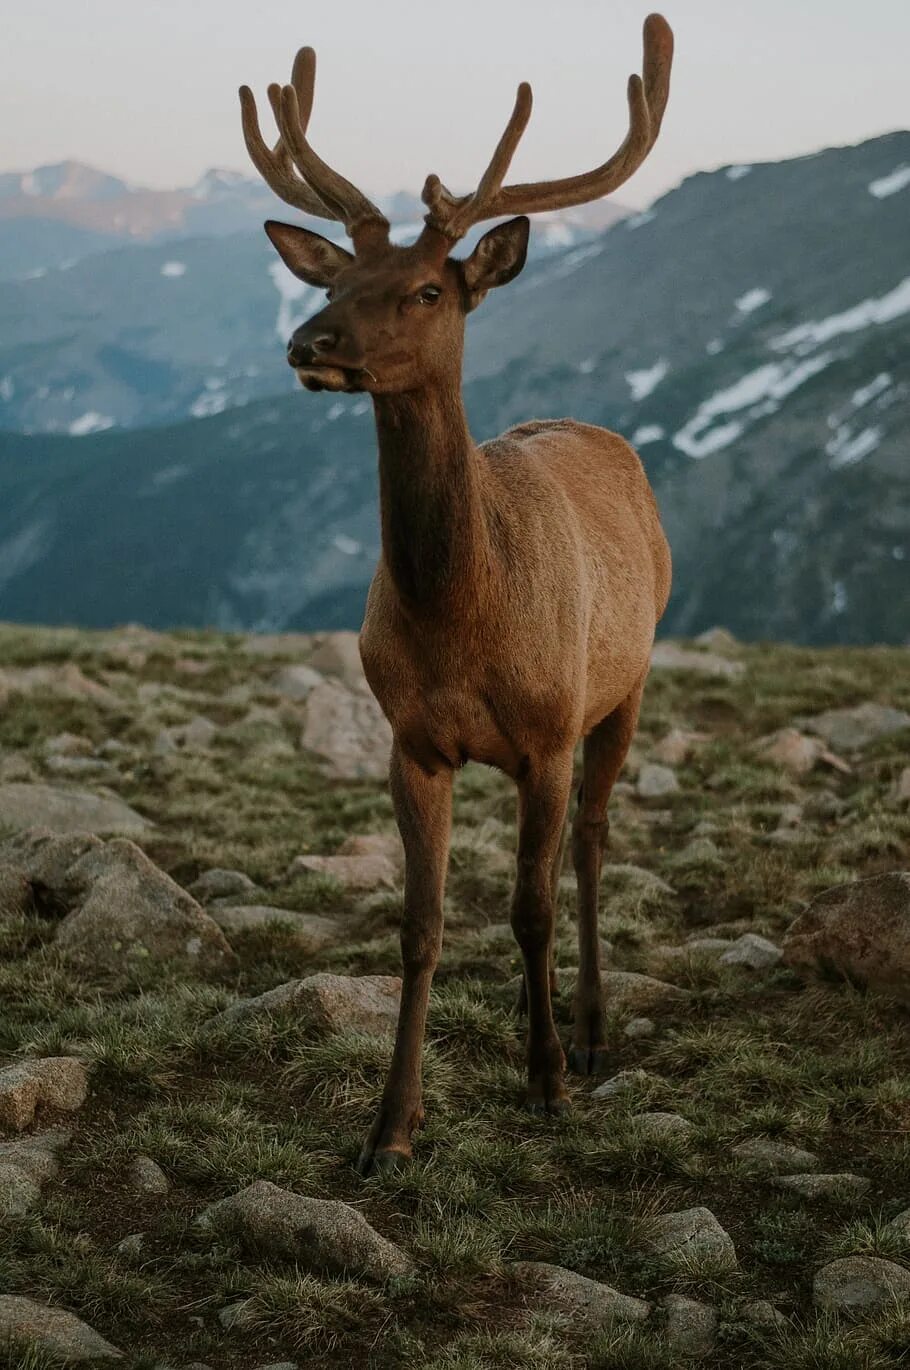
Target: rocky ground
[(199, 891)]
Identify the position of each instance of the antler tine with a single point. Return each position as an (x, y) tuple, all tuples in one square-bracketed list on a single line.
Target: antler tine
[(274, 164), (647, 102), (293, 113)]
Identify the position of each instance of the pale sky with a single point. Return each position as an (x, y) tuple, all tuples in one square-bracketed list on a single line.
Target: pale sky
[(404, 87)]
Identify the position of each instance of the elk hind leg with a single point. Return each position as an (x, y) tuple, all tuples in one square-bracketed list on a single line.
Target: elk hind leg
[(605, 750)]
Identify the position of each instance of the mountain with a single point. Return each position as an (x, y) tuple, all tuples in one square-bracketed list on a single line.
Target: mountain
[(751, 335)]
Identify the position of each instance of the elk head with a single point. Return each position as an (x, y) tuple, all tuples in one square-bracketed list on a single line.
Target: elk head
[(395, 315)]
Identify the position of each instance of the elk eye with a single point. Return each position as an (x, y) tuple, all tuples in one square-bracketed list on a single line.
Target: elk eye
[(429, 294), (330, 291)]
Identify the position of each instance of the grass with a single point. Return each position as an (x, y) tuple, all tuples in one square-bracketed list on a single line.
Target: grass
[(820, 1066)]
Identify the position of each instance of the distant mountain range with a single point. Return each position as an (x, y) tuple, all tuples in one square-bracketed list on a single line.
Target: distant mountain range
[(750, 334)]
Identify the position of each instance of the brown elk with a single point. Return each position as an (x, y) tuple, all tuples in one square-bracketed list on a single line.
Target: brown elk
[(515, 602)]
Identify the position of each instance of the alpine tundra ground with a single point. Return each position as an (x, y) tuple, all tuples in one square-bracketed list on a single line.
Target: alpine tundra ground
[(740, 843)]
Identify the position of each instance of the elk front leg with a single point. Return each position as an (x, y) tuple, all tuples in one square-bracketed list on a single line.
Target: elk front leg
[(423, 808), (543, 800)]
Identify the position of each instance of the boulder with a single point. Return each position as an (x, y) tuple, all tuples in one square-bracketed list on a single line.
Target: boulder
[(361, 863), (850, 730), (762, 1313), (763, 1156), (822, 1186), (55, 1331), (620, 1084), (147, 1177), (676, 746), (124, 907), (860, 932), (25, 805), (58, 1082), (66, 681), (347, 731), (330, 1003), (309, 929), (796, 752), (693, 1235), (691, 1327), (19, 1193), (317, 1234), (338, 654), (752, 951), (591, 1305), (669, 656), (900, 1226), (197, 735), (628, 990), (638, 1028), (295, 682), (855, 1284), (221, 884), (657, 1125), (655, 781)]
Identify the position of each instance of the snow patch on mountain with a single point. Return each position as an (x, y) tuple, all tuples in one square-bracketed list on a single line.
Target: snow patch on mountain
[(805, 336), (648, 432), (91, 422), (867, 393), (638, 220), (212, 400), (758, 391), (890, 184), (847, 448), (736, 173), (752, 300), (173, 269), (641, 383), (297, 299)]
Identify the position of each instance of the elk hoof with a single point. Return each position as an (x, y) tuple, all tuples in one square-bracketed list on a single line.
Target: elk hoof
[(589, 1060), (381, 1161), (553, 1102)]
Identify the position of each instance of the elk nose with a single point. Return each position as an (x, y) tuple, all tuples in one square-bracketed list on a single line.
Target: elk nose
[(303, 350)]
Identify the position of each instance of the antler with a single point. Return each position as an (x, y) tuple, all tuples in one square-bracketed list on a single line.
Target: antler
[(318, 189), (453, 215)]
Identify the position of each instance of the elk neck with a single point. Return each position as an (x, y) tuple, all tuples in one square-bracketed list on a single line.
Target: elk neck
[(435, 533)]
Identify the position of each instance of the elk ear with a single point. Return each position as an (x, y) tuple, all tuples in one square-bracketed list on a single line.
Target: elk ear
[(310, 256), (497, 258)]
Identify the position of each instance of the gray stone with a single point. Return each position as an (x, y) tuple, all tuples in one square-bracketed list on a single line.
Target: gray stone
[(855, 1284), (591, 1305), (310, 929), (860, 931), (68, 744), (195, 736), (654, 781), (797, 753), (691, 1326), (620, 1084), (638, 1028), (718, 638), (902, 786), (693, 1234), (347, 731), (338, 654), (35, 1153), (132, 1248), (763, 1156), (331, 1003), (318, 1234), (59, 1082), (355, 870), (232, 1315), (669, 656), (852, 729), (750, 950), (821, 1186), (147, 1177), (762, 1313), (55, 1331), (18, 1192), (295, 682), (900, 1226), (676, 746), (221, 884), (67, 811), (656, 1125), (628, 989)]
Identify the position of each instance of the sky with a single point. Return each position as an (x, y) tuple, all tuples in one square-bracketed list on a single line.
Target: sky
[(404, 87)]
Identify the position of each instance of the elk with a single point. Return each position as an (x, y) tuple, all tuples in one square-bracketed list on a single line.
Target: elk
[(520, 580)]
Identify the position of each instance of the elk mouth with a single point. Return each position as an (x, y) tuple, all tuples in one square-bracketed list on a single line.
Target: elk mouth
[(332, 377)]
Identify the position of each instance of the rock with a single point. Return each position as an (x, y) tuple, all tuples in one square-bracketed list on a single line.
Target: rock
[(762, 1313), (701, 851), (348, 731), (620, 1084), (221, 884), (132, 1248), (902, 787), (331, 1003), (67, 811), (295, 682), (67, 681), (280, 1365), (796, 752), (859, 931), (363, 871), (68, 744), (195, 736), (856, 1283), (55, 1331), (79, 767), (591, 1305), (18, 1192), (691, 1326), (628, 989), (310, 929), (850, 730), (35, 1154), (147, 1177), (125, 907), (656, 1125), (15, 892), (338, 654), (694, 1234), (762, 1156), (637, 1028), (822, 1186), (655, 781), (669, 656), (232, 1315), (318, 1234), (59, 1082), (900, 1226), (638, 878), (676, 746), (720, 639), (753, 951)]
